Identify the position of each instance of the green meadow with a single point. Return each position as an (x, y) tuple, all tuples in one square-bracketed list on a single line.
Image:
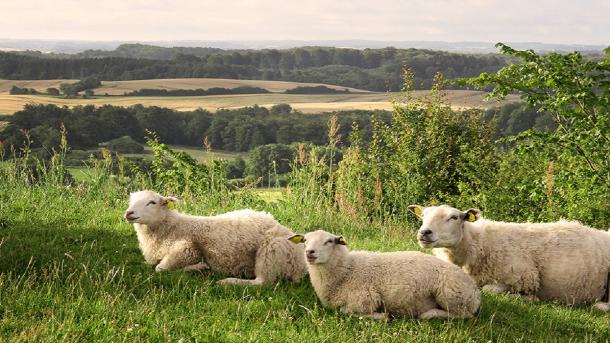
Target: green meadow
[(70, 270)]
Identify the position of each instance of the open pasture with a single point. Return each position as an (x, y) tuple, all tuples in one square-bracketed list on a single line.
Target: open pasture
[(70, 270)]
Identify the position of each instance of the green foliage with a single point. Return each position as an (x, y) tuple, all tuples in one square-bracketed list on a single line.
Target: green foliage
[(179, 173), (15, 90), (53, 91), (236, 168), (427, 153), (575, 91), (269, 160), (560, 173), (125, 145), (232, 130), (86, 84), (280, 109)]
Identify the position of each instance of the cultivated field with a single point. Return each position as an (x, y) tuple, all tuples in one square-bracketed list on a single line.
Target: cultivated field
[(305, 103), (120, 87)]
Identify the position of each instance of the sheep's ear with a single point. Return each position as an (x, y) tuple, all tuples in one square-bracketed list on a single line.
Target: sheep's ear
[(416, 210), (296, 239), (340, 240), (169, 201), (472, 215)]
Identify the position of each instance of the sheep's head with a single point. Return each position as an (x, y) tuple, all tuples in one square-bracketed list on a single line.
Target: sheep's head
[(320, 245), (148, 207), (442, 226)]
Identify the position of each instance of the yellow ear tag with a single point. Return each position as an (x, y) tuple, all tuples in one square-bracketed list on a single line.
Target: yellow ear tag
[(341, 241), (171, 204), (296, 239), (418, 211), (471, 217)]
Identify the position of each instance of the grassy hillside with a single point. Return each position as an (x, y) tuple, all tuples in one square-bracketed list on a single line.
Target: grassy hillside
[(70, 270), (305, 103)]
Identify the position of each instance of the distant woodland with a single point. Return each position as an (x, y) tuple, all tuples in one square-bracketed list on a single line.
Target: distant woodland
[(370, 69)]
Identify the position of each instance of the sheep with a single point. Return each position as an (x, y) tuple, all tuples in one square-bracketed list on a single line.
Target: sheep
[(377, 285), (241, 243), (563, 261)]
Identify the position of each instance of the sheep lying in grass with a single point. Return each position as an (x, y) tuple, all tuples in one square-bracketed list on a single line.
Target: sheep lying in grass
[(240, 243), (564, 261), (375, 285)]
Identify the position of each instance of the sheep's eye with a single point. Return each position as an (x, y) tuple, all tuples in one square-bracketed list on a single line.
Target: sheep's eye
[(328, 241), (151, 203), (453, 218)]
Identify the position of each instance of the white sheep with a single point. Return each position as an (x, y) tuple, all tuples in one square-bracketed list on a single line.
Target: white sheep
[(564, 261), (375, 285), (243, 243)]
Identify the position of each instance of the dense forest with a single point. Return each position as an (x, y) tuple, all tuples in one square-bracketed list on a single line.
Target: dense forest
[(371, 69)]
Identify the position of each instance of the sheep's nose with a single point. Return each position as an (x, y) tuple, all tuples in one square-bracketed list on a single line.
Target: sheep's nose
[(128, 213), (310, 252), (425, 232)]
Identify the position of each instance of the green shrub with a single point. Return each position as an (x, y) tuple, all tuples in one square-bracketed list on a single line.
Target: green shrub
[(125, 145)]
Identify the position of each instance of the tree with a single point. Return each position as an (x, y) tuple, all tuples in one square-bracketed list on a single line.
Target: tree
[(53, 91), (68, 89), (571, 88), (271, 159), (280, 109)]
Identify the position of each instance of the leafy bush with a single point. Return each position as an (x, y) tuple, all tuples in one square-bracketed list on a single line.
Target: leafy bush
[(125, 145), (15, 90), (427, 153)]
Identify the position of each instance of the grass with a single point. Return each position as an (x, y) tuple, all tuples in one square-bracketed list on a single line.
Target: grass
[(70, 270), (203, 155), (270, 195)]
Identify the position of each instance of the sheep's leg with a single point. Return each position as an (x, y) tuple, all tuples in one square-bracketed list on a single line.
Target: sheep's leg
[(496, 288), (365, 304), (529, 297), (241, 282), (436, 313), (601, 305), (181, 255), (276, 259), (198, 267), (373, 315)]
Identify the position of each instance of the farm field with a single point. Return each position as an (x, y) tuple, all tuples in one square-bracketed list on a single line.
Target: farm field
[(459, 99), (120, 87)]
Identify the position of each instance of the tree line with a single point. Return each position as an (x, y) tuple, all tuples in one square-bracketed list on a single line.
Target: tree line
[(237, 130), (227, 129), (371, 69)]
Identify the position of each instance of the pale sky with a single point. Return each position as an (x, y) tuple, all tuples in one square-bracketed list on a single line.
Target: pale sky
[(547, 21)]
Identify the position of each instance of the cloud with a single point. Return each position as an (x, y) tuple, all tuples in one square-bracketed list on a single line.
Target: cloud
[(467, 20)]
